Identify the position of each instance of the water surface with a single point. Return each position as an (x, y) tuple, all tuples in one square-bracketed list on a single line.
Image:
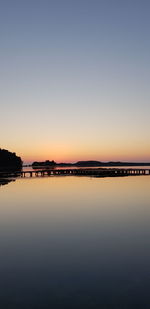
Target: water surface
[(75, 242)]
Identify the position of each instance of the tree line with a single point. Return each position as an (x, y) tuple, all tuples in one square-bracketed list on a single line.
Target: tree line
[(9, 160)]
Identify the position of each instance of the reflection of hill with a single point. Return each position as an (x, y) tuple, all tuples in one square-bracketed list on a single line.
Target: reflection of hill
[(47, 167), (5, 181), (9, 161)]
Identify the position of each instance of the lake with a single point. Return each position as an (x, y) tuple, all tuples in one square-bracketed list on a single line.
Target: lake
[(75, 242)]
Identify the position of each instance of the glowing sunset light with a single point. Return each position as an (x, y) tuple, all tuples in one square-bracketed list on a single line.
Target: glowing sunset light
[(74, 81)]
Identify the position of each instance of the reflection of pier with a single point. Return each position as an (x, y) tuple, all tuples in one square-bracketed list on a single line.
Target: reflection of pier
[(97, 172)]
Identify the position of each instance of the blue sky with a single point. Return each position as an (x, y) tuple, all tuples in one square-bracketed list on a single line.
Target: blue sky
[(75, 78)]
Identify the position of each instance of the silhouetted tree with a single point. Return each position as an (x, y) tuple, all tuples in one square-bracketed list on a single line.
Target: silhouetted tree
[(9, 160)]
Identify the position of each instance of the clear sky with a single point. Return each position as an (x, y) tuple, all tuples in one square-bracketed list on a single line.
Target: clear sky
[(75, 79)]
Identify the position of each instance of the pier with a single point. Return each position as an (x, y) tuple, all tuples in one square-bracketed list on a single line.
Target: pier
[(97, 172)]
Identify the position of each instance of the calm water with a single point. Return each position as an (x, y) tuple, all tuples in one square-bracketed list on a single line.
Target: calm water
[(29, 168), (75, 242)]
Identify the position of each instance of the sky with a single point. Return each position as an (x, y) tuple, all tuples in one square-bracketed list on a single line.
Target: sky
[(74, 79)]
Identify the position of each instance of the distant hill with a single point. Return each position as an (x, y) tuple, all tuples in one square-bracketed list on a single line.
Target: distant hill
[(9, 160), (45, 163), (89, 163), (110, 163)]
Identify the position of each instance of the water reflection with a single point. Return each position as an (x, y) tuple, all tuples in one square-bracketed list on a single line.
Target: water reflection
[(5, 181), (71, 242), (30, 168)]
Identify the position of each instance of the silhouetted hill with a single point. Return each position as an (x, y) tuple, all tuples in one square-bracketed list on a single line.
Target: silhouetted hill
[(45, 163), (9, 160), (89, 163), (110, 163)]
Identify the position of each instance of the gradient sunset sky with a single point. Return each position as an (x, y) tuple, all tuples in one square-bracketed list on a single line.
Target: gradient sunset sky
[(75, 79)]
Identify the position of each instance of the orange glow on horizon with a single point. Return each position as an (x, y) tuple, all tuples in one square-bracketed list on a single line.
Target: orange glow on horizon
[(81, 151), (85, 157)]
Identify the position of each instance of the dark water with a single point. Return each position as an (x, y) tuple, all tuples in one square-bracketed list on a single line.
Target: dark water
[(29, 168), (75, 242)]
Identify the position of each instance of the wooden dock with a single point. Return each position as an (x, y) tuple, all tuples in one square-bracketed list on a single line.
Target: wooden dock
[(97, 172)]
